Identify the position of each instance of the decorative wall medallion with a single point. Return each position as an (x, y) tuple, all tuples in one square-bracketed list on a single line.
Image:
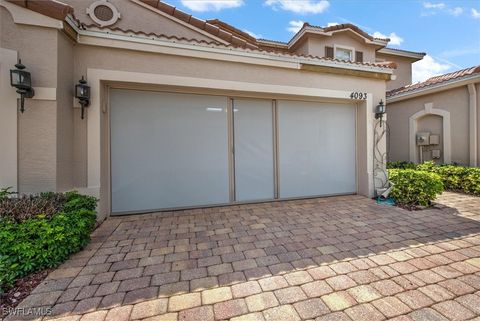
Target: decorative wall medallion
[(103, 13)]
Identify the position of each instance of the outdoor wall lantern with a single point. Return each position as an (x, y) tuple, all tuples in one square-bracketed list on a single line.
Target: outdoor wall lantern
[(380, 110), (21, 79), (82, 92)]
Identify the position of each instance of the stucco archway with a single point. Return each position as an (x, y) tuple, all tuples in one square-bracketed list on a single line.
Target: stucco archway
[(429, 110)]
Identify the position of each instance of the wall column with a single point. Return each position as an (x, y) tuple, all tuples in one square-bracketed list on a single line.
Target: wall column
[(472, 104), (8, 122)]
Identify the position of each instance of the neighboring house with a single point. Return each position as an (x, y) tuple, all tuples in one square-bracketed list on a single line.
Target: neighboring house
[(185, 112), (437, 119)]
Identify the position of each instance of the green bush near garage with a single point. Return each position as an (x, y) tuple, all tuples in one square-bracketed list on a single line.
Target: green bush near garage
[(414, 188), (471, 181), (401, 165), (41, 231), (454, 177)]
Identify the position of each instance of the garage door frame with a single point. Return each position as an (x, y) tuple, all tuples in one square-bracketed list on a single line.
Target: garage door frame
[(230, 125)]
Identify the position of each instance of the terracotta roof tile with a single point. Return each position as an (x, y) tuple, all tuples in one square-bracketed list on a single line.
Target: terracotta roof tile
[(388, 64), (345, 26), (200, 24), (50, 8), (153, 3), (239, 33), (165, 7), (214, 29), (435, 80), (94, 27), (182, 15)]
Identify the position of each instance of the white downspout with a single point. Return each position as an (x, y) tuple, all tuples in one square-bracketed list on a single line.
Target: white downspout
[(472, 123)]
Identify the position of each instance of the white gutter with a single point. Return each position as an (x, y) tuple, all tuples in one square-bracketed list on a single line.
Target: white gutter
[(434, 88), (153, 44)]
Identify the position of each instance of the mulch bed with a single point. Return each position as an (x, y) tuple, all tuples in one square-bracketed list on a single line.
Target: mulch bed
[(21, 289)]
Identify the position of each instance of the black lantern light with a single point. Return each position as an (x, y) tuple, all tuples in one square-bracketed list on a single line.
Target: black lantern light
[(21, 79), (82, 92), (380, 110)]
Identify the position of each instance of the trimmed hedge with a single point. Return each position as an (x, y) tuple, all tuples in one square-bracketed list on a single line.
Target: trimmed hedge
[(37, 242), (401, 165), (414, 188), (471, 181), (454, 177)]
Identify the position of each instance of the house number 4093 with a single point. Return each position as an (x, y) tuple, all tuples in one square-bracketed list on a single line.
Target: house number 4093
[(358, 95)]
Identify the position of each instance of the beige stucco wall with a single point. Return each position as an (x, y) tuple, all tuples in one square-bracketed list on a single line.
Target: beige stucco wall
[(65, 113), (130, 12), (317, 43), (302, 47), (37, 127), (403, 72), (455, 101)]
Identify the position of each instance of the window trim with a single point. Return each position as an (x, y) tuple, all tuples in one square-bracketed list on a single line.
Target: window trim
[(352, 50)]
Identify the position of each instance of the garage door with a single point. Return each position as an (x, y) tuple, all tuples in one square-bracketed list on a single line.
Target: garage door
[(175, 150)]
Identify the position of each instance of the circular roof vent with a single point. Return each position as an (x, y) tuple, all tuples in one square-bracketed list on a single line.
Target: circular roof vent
[(103, 13)]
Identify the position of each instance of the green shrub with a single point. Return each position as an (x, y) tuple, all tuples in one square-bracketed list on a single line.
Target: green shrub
[(401, 165), (37, 242), (414, 188), (452, 176), (455, 177), (426, 166), (471, 181)]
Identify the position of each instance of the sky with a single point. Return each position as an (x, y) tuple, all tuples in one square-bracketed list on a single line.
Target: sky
[(448, 31)]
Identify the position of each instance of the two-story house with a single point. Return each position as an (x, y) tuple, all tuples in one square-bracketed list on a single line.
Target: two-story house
[(182, 112)]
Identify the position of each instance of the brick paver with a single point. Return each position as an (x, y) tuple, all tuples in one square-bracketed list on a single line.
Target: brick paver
[(338, 258)]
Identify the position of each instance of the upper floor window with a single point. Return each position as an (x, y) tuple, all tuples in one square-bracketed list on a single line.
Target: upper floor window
[(343, 54)]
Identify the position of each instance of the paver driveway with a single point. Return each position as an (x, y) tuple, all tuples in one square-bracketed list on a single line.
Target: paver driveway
[(339, 258)]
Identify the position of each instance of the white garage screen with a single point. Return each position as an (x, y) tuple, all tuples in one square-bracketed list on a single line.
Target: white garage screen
[(316, 148), (253, 139), (168, 150)]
